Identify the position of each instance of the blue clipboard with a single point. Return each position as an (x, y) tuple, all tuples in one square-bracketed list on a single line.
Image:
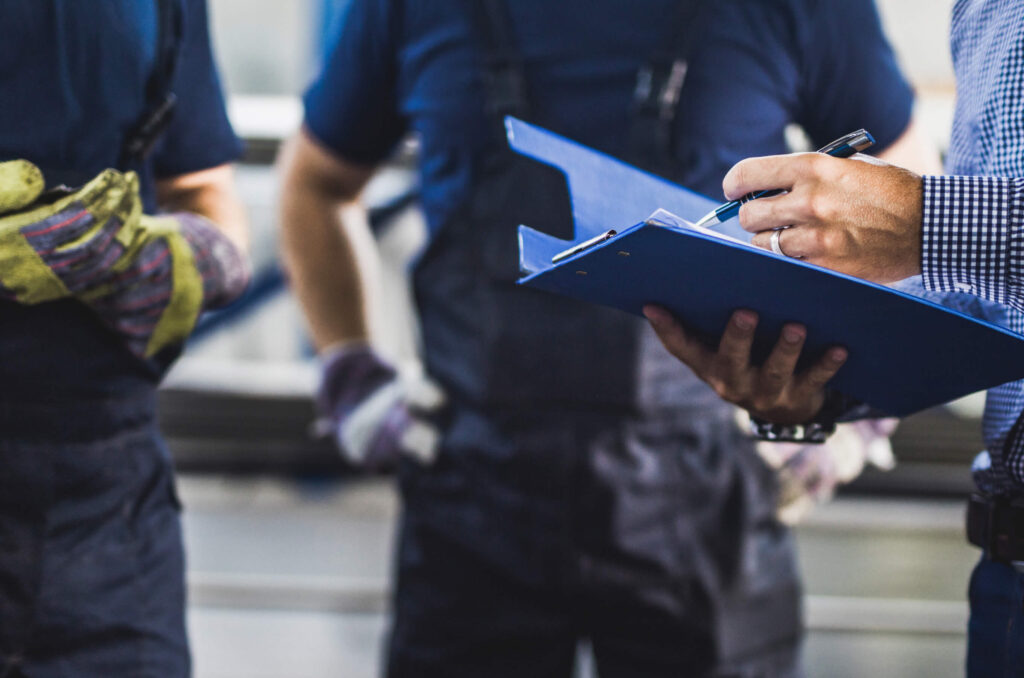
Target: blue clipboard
[(906, 353)]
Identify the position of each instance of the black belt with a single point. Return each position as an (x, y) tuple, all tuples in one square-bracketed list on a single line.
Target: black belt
[(997, 526)]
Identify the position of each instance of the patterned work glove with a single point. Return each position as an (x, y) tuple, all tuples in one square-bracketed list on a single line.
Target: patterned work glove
[(374, 414), (809, 474), (148, 278)]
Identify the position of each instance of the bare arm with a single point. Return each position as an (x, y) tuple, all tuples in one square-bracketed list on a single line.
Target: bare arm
[(212, 194), (318, 253)]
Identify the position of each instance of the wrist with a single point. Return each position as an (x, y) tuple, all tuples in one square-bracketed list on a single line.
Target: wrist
[(967, 238), (349, 374), (223, 265), (337, 349), (813, 433), (814, 430)]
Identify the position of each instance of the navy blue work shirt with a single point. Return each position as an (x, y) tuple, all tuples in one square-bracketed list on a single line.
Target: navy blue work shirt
[(73, 76), (73, 79), (399, 66)]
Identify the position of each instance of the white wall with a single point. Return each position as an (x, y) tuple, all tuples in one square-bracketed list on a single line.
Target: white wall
[(265, 46), (919, 31)]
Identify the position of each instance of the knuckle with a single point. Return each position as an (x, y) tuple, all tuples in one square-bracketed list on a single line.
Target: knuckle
[(719, 387), (723, 389), (763, 403), (819, 207), (810, 165), (818, 240), (737, 178), (821, 165), (816, 380), (832, 241), (746, 215)]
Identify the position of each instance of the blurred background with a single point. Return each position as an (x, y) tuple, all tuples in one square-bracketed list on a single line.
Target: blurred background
[(289, 553)]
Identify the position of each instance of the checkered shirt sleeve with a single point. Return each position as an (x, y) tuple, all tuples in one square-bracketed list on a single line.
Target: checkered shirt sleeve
[(973, 237), (973, 241)]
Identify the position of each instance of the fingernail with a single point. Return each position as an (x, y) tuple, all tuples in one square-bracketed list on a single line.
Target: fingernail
[(792, 335), (745, 320), (838, 355), (655, 315)]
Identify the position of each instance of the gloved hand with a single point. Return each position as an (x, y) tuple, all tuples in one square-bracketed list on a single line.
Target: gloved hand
[(808, 475), (148, 278), (374, 414)]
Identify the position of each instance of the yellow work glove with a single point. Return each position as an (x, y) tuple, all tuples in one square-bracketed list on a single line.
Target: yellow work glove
[(148, 278)]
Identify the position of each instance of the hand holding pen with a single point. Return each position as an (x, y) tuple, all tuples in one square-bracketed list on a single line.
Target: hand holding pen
[(843, 147), (859, 218)]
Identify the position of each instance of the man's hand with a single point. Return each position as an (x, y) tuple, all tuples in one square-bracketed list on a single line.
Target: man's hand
[(809, 475), (148, 278), (773, 391), (860, 217), (375, 415)]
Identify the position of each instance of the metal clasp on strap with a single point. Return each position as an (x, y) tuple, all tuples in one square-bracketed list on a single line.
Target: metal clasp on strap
[(658, 88), (144, 136)]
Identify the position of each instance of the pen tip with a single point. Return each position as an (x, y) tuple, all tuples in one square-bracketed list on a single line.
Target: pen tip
[(707, 220)]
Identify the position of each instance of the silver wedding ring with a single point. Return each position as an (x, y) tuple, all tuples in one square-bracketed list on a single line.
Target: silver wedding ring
[(776, 246)]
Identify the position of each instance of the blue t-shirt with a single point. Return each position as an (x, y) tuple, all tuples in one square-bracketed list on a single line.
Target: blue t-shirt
[(73, 79), (73, 76), (399, 66)]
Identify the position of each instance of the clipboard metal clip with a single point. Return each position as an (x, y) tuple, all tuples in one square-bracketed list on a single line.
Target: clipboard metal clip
[(583, 246)]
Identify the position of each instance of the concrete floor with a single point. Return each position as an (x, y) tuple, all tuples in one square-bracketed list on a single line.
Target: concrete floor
[(290, 581)]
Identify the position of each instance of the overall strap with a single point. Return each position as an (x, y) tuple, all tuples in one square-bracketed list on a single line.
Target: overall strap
[(160, 100), (504, 78), (659, 87)]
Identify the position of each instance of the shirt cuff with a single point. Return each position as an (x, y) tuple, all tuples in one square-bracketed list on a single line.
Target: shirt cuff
[(972, 236)]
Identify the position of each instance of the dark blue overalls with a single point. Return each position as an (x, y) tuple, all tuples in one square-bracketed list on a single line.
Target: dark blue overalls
[(587, 486), (91, 561)]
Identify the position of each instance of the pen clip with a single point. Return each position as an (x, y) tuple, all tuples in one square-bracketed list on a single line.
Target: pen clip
[(856, 141), (583, 246)]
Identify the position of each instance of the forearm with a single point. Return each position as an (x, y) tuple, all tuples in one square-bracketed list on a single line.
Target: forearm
[(211, 194), (321, 262), (973, 237), (212, 220)]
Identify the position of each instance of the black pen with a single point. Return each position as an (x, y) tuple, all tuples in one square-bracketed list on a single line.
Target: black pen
[(844, 147)]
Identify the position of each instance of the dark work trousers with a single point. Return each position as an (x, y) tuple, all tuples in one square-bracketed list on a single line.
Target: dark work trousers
[(654, 540), (91, 564), (995, 647)]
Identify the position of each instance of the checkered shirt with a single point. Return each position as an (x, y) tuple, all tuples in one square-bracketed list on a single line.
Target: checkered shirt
[(973, 237)]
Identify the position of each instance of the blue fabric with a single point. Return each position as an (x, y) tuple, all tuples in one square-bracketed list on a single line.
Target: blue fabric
[(78, 72), (618, 535), (995, 642), (398, 66), (693, 275), (972, 226), (91, 562), (551, 482), (91, 565)]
